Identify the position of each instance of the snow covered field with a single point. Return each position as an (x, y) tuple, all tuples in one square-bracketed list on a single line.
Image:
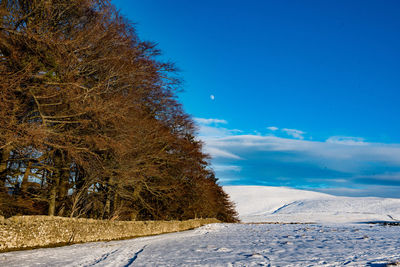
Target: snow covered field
[(326, 243), (232, 245), (280, 204)]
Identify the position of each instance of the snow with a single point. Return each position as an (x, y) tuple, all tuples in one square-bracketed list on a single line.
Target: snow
[(335, 240), (280, 204), (232, 245)]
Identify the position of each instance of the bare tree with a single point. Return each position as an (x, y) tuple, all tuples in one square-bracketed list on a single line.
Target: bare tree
[(89, 121)]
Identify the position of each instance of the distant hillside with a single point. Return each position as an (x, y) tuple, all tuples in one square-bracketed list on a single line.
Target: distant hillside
[(281, 204)]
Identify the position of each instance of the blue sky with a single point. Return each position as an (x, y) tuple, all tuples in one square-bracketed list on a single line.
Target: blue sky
[(305, 93)]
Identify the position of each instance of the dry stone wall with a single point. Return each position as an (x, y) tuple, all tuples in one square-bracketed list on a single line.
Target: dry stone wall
[(21, 232)]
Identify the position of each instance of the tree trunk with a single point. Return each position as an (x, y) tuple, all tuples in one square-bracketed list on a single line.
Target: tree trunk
[(63, 188), (24, 184), (109, 197), (53, 195), (4, 156), (56, 177), (115, 206)]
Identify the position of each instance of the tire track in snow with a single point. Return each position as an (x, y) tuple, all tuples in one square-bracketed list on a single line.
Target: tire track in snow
[(102, 258), (135, 256)]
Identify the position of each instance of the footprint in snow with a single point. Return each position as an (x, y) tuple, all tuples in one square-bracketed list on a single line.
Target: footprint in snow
[(223, 250), (255, 255)]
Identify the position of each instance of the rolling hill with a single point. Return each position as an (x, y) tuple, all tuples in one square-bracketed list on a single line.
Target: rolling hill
[(281, 204)]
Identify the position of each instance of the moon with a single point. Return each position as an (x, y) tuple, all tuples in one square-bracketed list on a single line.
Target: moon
[(212, 97)]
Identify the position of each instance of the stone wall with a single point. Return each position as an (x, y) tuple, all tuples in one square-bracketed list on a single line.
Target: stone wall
[(21, 232)]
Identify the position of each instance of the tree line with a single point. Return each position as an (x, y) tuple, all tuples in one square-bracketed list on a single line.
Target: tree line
[(89, 121)]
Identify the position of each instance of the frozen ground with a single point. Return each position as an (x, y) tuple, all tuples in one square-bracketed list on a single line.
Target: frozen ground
[(232, 245), (334, 240)]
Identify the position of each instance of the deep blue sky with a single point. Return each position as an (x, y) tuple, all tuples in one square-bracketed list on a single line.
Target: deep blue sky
[(324, 73)]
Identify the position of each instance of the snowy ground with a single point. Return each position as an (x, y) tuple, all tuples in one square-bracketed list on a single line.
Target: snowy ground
[(280, 204), (329, 242), (232, 245)]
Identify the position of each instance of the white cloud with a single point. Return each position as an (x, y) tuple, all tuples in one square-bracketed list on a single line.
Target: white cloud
[(211, 128), (340, 154), (390, 176), (273, 128), (345, 164), (346, 140), (294, 133), (220, 153), (371, 152), (365, 191), (210, 121), (224, 168), (209, 131)]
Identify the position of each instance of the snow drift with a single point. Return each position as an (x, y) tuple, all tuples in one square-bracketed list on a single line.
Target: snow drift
[(281, 204)]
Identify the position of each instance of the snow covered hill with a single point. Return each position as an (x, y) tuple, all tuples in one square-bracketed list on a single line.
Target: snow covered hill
[(281, 204)]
